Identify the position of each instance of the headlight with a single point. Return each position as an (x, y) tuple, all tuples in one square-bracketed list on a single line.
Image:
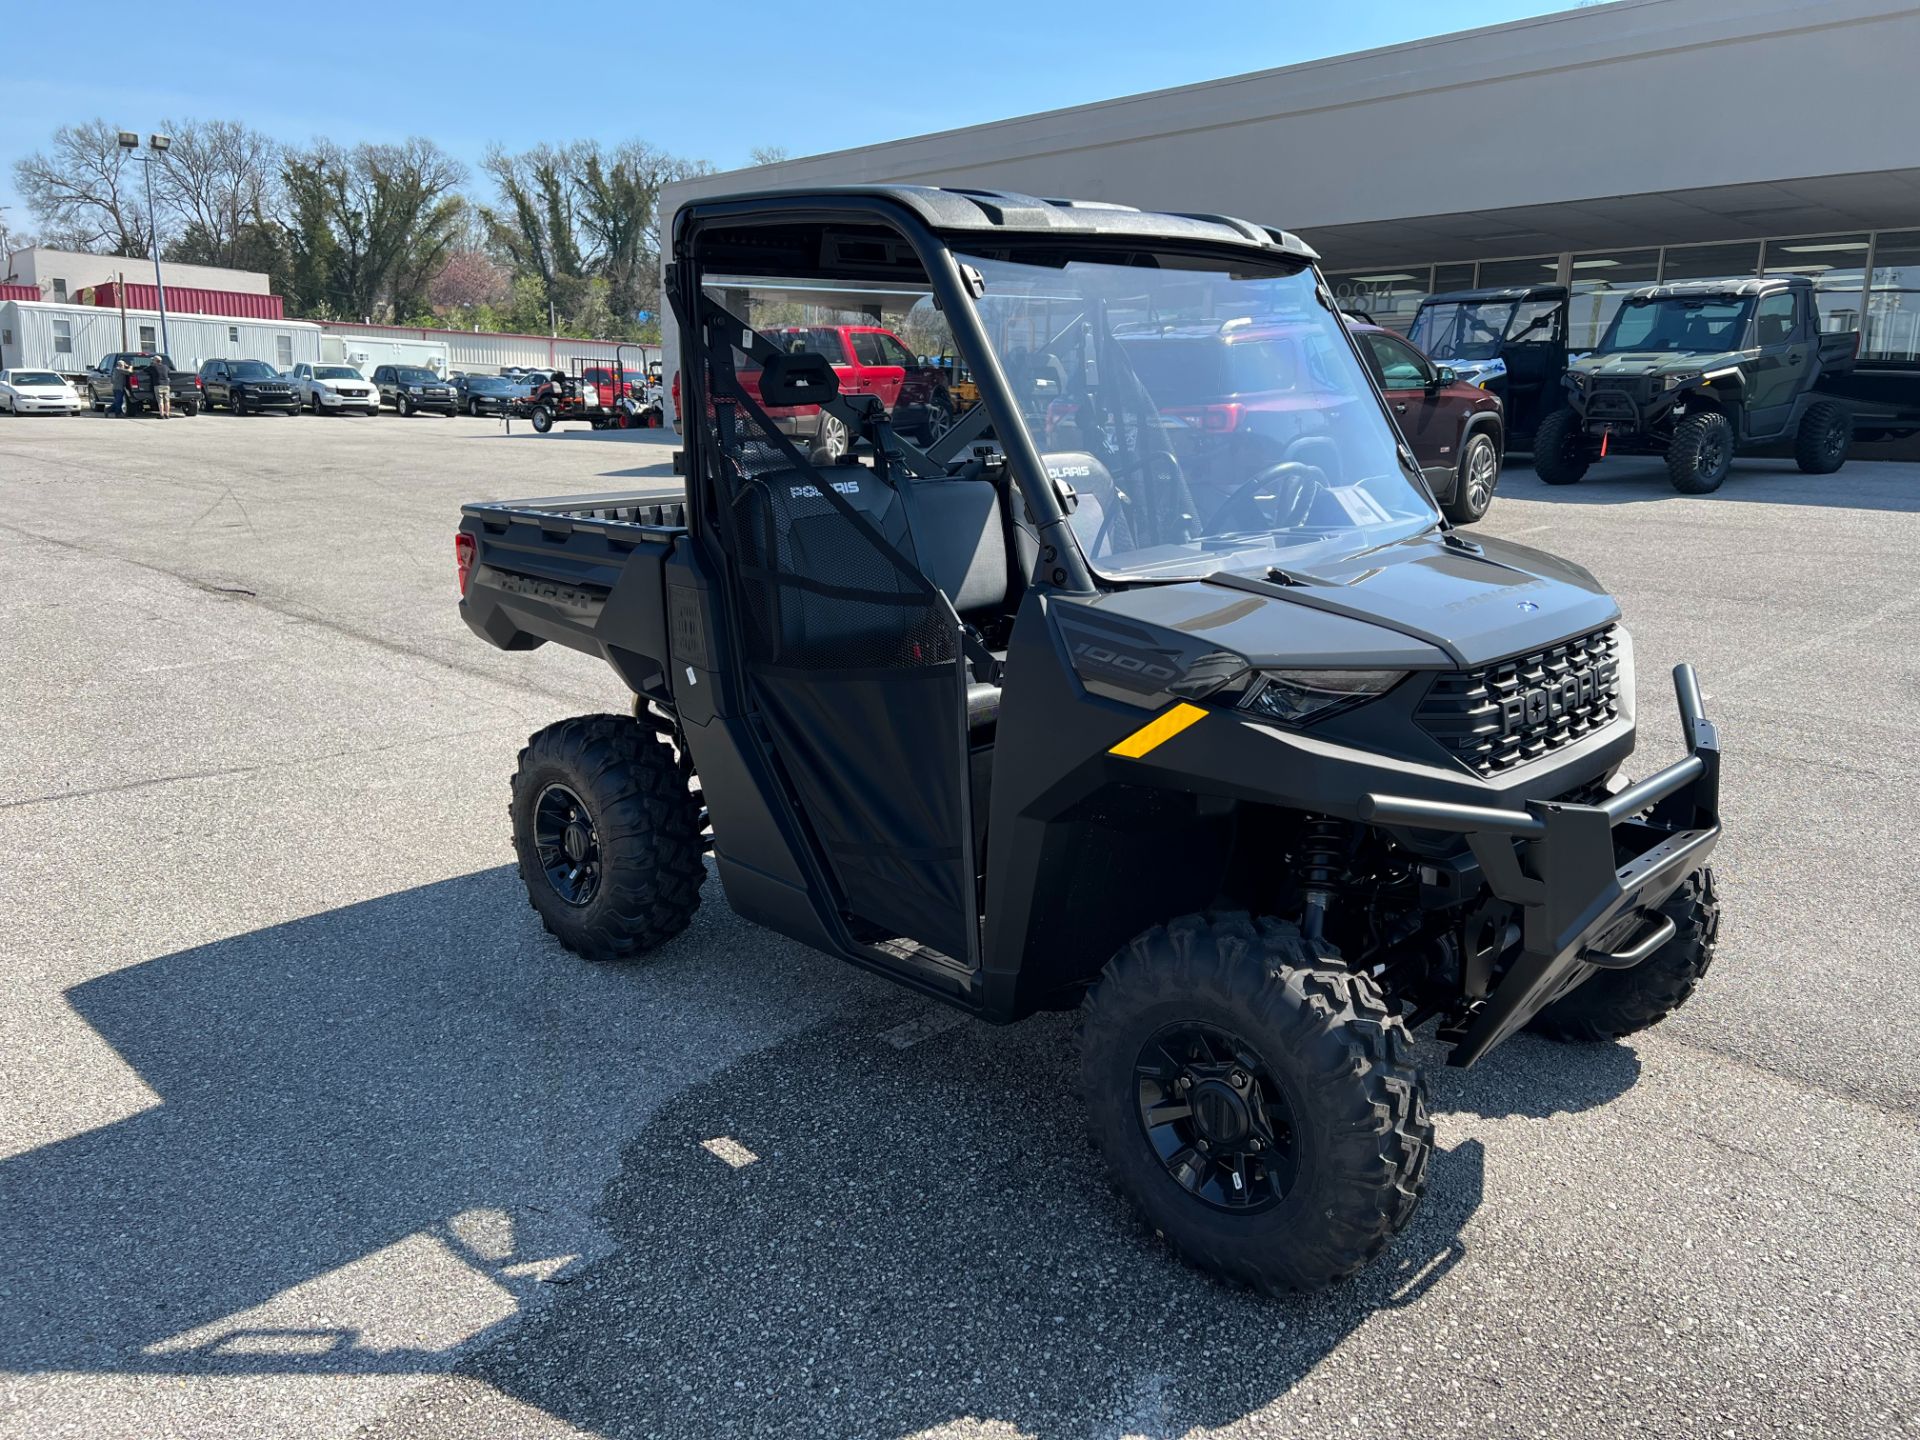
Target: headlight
[(1675, 381), (1299, 695), (1578, 380)]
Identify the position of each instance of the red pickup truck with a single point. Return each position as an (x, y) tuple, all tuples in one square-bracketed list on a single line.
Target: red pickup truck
[(870, 360)]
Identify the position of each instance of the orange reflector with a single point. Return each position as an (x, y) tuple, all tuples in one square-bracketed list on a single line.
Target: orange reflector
[(1605, 435), (1157, 731)]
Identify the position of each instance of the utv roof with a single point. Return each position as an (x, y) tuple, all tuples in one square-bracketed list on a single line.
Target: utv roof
[(1499, 292), (1004, 212), (1701, 289)]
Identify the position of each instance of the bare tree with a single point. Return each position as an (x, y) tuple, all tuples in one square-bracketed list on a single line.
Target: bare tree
[(769, 154), (86, 192), (216, 186), (10, 238)]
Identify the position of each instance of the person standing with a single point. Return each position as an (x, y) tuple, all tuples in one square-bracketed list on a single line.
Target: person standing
[(122, 373), (162, 387)]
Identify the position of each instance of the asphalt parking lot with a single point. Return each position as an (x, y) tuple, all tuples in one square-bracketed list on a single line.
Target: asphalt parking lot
[(307, 1129)]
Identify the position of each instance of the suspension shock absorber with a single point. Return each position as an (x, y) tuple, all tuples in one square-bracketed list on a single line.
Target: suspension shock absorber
[(1322, 860)]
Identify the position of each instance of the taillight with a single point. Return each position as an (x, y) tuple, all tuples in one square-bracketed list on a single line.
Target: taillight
[(196, 383), (464, 547)]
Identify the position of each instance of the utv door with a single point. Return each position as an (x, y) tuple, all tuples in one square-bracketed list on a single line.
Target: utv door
[(1780, 372), (853, 658)]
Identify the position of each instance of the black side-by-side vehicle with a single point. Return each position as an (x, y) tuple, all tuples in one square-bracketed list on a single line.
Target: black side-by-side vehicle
[(1223, 737)]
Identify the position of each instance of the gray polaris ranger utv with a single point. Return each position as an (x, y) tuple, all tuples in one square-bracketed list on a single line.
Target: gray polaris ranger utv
[(1177, 703)]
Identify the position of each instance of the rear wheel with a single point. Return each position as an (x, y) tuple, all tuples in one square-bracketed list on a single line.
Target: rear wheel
[(1560, 451), (1825, 432), (608, 836), (1257, 1102), (542, 419), (1479, 473), (1612, 1003), (1701, 453)]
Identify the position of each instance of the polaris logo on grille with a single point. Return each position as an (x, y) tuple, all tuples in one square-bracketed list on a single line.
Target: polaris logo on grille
[(1575, 691)]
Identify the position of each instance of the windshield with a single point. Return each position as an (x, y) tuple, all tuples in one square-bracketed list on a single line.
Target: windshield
[(35, 377), (414, 375), (488, 384), (252, 370), (1207, 419), (1696, 324), (1462, 329), (335, 372)]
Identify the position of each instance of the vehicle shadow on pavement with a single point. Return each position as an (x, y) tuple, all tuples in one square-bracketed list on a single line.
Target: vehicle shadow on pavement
[(1529, 1078), (840, 1237), (1632, 479), (379, 1131)]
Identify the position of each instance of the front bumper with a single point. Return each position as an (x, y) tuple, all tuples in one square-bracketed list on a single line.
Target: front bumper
[(1588, 879), (28, 405)]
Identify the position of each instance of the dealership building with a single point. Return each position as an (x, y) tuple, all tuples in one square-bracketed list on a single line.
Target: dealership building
[(1606, 147)]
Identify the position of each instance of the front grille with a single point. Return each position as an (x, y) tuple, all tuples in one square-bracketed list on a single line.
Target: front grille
[(1504, 715)]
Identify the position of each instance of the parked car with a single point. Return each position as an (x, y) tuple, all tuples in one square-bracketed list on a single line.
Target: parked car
[(409, 388), (333, 388), (1457, 429), (486, 394), (247, 387), (185, 384), (870, 360), (36, 392), (1701, 370)]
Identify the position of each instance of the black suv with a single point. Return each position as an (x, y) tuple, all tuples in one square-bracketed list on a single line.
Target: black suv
[(247, 385), (414, 387)]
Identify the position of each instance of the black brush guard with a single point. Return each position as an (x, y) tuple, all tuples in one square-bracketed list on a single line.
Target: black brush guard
[(1581, 908)]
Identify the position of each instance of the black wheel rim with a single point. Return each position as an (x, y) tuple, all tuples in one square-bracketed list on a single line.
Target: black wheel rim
[(1217, 1118), (1712, 455), (568, 844), (1836, 440)]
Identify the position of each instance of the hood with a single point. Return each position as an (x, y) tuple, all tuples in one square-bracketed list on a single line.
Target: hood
[(1630, 364), (1416, 604)]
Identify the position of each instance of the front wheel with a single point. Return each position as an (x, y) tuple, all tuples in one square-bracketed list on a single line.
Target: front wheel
[(1257, 1101), (1479, 473), (1826, 430), (402, 406), (1700, 453), (1611, 1003), (542, 419), (1561, 454), (608, 836)]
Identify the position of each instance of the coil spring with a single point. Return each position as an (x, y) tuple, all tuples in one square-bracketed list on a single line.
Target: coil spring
[(1323, 845)]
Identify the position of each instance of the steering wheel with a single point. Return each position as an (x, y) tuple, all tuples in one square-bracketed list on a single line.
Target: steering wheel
[(1260, 504)]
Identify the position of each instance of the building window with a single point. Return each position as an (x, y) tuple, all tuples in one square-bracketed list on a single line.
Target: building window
[(283, 351), (233, 334), (1601, 281), (1390, 295), (1712, 262), (1534, 270), (1837, 265), (62, 336), (59, 288), (146, 337), (1452, 277), (1893, 299)]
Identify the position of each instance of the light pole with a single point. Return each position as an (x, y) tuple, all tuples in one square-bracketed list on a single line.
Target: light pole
[(159, 145)]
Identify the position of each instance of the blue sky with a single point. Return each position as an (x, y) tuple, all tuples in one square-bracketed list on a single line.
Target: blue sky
[(713, 86)]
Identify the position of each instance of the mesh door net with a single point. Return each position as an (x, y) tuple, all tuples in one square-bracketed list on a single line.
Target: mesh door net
[(855, 660)]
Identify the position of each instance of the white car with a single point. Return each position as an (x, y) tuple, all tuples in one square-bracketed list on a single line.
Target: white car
[(37, 392), (333, 389)]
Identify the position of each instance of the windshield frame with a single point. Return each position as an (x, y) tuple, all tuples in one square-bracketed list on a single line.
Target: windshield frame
[(1239, 265)]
